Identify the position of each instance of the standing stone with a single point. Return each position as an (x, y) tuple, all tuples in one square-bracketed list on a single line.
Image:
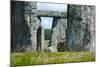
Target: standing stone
[(31, 20), (81, 27), (20, 35), (35, 27), (24, 26), (43, 39), (40, 39), (58, 36)]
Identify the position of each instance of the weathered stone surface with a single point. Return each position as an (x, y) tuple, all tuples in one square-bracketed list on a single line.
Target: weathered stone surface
[(20, 34), (58, 38), (42, 40), (47, 13), (35, 27), (75, 32), (30, 7), (51, 49), (81, 27), (24, 25)]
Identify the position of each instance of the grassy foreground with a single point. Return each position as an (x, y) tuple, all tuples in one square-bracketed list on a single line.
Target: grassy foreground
[(21, 59)]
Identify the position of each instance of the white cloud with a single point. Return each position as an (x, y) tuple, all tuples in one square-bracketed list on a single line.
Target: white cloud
[(52, 6), (47, 22)]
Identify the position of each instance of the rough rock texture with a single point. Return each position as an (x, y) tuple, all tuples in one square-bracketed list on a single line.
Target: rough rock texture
[(58, 37), (50, 13), (33, 23), (73, 30), (52, 49), (20, 33), (25, 25), (81, 27)]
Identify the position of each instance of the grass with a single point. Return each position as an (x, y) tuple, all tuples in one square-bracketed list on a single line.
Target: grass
[(21, 59)]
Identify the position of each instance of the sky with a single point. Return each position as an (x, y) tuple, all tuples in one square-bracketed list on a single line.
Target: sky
[(47, 21)]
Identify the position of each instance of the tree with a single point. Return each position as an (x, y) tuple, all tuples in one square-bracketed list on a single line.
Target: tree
[(47, 34)]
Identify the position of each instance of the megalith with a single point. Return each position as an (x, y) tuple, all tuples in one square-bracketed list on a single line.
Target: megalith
[(32, 21), (73, 30), (81, 27), (58, 33), (20, 33), (24, 27)]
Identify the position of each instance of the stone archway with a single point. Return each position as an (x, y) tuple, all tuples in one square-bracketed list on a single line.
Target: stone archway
[(79, 28), (31, 17), (58, 34)]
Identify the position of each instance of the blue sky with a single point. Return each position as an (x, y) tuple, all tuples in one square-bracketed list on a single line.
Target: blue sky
[(47, 21)]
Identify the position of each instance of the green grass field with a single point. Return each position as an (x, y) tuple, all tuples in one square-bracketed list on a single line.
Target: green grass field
[(21, 59)]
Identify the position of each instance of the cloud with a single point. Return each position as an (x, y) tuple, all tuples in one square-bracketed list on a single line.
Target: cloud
[(52, 6), (47, 22)]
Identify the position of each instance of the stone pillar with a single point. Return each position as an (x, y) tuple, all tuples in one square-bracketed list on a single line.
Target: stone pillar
[(58, 38), (42, 40), (24, 25), (81, 27), (20, 33), (30, 16), (34, 23)]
